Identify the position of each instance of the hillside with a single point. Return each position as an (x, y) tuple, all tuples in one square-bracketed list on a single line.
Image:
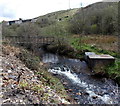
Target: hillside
[(93, 19), (56, 23), (98, 18)]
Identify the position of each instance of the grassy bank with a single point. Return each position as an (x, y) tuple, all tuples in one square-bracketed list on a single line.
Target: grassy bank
[(100, 45), (92, 43), (113, 71)]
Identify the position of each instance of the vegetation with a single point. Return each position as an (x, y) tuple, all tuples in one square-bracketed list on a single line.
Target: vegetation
[(96, 19), (30, 62), (96, 44), (93, 19), (114, 70), (33, 63), (92, 28)]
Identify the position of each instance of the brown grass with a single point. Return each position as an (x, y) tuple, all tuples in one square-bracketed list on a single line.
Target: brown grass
[(105, 42), (7, 49)]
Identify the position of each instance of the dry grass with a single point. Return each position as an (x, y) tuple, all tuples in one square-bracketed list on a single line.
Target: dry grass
[(7, 49), (105, 42)]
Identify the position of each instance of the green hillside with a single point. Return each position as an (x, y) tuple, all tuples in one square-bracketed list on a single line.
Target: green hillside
[(56, 23), (98, 18)]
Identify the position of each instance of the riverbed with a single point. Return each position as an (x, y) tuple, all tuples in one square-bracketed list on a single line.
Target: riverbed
[(79, 81)]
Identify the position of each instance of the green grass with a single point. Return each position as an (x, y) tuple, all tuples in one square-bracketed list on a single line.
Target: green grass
[(91, 48), (114, 70)]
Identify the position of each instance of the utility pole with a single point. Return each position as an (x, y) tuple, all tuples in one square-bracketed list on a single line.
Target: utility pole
[(80, 35)]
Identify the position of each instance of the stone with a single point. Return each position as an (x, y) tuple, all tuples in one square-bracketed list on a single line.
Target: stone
[(76, 98), (86, 93), (41, 63), (21, 101), (70, 90), (65, 83), (98, 62), (5, 77), (12, 88), (78, 93), (22, 69), (4, 74), (9, 71), (94, 97), (6, 100)]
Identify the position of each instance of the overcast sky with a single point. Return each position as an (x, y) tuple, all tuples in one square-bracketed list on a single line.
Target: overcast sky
[(25, 9)]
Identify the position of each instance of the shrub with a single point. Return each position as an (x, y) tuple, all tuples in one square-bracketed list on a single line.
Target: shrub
[(29, 59), (114, 71), (94, 28), (28, 29)]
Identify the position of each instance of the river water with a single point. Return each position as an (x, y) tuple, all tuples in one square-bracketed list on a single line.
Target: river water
[(80, 82)]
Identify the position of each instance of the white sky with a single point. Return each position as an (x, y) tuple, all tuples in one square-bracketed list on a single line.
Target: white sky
[(26, 9)]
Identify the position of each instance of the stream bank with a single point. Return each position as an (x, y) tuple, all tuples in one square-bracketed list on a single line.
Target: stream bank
[(75, 76), (64, 50), (74, 52), (21, 85), (80, 82)]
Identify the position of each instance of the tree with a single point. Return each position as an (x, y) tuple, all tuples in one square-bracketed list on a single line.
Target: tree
[(26, 30)]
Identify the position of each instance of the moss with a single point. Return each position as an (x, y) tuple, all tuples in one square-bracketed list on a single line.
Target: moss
[(38, 88), (113, 70), (52, 81), (24, 85)]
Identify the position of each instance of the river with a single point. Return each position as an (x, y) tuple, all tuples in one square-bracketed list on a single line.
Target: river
[(79, 81)]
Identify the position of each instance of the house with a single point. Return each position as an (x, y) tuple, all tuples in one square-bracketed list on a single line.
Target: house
[(28, 20), (20, 21), (34, 20), (11, 22)]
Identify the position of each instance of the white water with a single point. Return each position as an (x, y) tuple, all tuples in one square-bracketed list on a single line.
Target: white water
[(50, 58), (76, 80)]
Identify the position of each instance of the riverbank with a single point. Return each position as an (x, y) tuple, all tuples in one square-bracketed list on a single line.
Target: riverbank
[(75, 49), (79, 81), (101, 45), (26, 81), (38, 82)]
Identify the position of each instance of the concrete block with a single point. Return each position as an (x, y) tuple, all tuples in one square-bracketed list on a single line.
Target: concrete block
[(98, 61)]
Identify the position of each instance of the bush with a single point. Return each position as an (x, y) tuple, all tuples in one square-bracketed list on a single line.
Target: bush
[(94, 29), (29, 59), (28, 29), (99, 16), (114, 71), (7, 31)]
